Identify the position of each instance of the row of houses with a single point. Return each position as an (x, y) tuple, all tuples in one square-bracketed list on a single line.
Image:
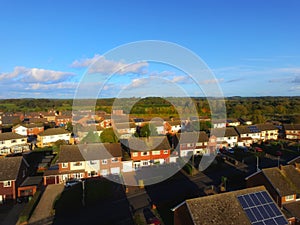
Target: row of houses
[(272, 196), (13, 142)]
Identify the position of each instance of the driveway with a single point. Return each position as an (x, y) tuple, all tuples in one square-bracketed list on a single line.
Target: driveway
[(44, 208)]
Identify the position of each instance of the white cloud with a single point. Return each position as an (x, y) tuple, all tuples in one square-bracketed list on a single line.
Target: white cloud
[(212, 81), (99, 64), (35, 75)]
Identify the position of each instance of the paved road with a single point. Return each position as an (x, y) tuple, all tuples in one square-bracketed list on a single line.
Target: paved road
[(44, 208), (13, 215)]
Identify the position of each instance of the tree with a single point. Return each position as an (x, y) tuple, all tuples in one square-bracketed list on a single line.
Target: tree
[(69, 126), (109, 136), (148, 130), (91, 137)]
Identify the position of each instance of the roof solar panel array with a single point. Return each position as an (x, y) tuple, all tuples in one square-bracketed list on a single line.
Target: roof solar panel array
[(261, 210), (254, 129)]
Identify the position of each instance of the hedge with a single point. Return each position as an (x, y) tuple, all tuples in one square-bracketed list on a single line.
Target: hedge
[(29, 208)]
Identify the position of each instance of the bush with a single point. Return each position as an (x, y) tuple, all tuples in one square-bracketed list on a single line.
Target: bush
[(29, 208)]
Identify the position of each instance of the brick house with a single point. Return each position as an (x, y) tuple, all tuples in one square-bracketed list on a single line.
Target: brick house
[(247, 132), (148, 151), (61, 121), (83, 161), (189, 143), (229, 208), (13, 171), (292, 131), (283, 184), (49, 136), (28, 129)]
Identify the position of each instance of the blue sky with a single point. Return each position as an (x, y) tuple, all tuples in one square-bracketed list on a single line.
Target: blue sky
[(252, 47)]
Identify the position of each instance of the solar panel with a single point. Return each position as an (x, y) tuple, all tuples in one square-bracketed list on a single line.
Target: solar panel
[(261, 209), (253, 129)]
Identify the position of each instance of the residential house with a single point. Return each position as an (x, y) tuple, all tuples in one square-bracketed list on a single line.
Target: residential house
[(159, 125), (49, 136), (191, 143), (148, 151), (125, 130), (268, 131), (102, 159), (232, 122), (226, 137), (12, 143), (28, 129), (62, 121), (86, 160), (50, 116), (218, 123), (173, 126), (283, 184), (243, 207), (13, 171), (292, 131), (248, 134)]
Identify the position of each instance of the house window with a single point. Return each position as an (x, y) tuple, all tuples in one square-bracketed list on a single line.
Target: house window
[(104, 161), (93, 162), (135, 154), (145, 163), (64, 165), (7, 183), (166, 152), (77, 164), (145, 153), (155, 152), (114, 160), (289, 198)]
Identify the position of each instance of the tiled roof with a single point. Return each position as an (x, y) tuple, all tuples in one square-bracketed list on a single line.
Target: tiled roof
[(221, 209), (291, 126), (69, 153), (85, 152), (279, 181), (148, 144), (293, 175), (192, 137), (53, 131), (101, 151), (266, 126), (9, 168), (227, 132), (10, 136)]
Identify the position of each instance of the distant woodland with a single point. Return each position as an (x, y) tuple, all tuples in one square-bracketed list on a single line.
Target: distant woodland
[(258, 109)]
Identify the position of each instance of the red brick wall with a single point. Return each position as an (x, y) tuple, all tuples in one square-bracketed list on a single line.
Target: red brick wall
[(8, 191), (60, 168), (150, 156)]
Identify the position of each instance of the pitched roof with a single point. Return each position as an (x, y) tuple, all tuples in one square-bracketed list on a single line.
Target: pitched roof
[(84, 152), (10, 136), (101, 151), (54, 131), (69, 153), (192, 137), (148, 144), (9, 167), (293, 175), (266, 126), (227, 132), (291, 126), (220, 209), (281, 183)]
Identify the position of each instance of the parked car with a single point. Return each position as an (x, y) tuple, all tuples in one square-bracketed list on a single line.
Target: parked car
[(72, 182), (258, 149), (151, 219)]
